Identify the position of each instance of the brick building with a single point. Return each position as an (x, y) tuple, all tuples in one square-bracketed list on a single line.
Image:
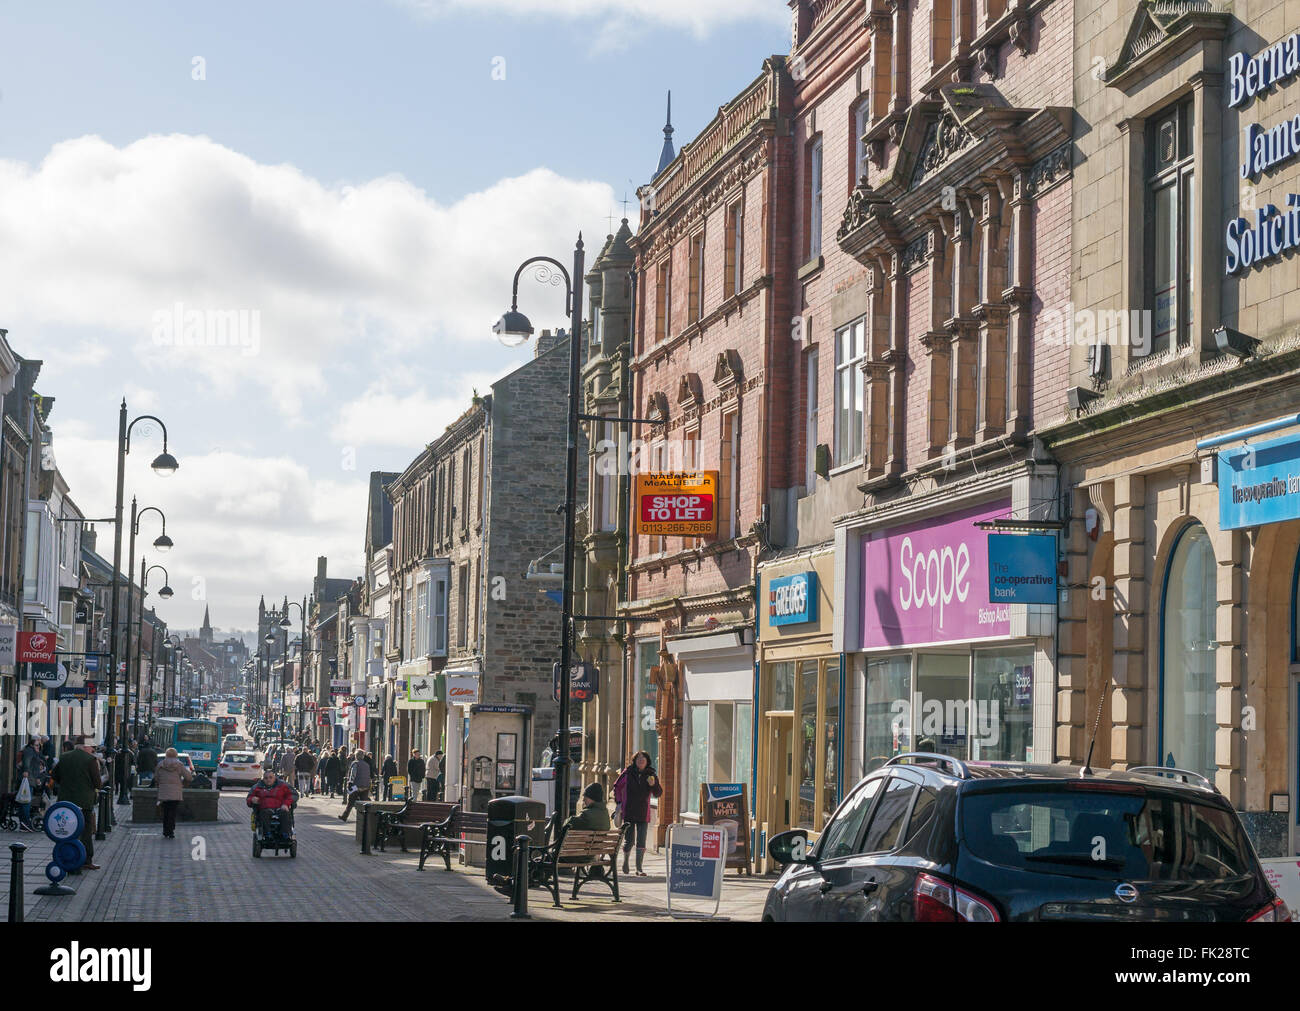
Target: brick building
[(1179, 627), (711, 369), (933, 168)]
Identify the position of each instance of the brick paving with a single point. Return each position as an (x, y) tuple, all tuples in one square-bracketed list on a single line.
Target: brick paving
[(208, 874)]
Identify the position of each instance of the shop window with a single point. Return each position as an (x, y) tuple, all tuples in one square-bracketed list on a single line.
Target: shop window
[(1003, 711), (943, 685), (646, 735), (887, 730), (886, 826), (782, 675), (1170, 221), (1187, 651), (831, 741), (719, 747), (842, 834), (1295, 615), (806, 753), (850, 347)]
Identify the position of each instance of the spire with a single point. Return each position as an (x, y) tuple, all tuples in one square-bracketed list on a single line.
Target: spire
[(207, 621), (667, 155)]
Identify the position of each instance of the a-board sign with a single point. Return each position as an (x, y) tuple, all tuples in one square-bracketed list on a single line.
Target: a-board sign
[(692, 877), (724, 805)]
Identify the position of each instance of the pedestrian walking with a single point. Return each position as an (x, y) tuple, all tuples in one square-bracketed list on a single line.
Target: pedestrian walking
[(374, 768), (415, 769), (305, 765), (632, 792), (437, 775), (287, 765), (333, 772), (23, 798), (148, 762), (171, 775), (359, 781), (78, 776), (389, 771)]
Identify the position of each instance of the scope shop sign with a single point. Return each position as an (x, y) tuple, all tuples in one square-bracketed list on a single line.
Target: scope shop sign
[(677, 505)]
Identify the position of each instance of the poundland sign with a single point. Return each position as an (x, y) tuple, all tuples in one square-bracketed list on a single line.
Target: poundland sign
[(1271, 231)]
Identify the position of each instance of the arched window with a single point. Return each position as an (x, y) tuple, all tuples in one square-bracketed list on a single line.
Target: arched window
[(1187, 647)]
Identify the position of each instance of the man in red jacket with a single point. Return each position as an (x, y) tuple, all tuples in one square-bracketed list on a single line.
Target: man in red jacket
[(271, 794)]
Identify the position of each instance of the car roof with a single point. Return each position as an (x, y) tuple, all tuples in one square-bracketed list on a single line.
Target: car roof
[(989, 772)]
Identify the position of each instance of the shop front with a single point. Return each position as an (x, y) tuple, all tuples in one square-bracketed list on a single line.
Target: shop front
[(799, 743), (943, 659)]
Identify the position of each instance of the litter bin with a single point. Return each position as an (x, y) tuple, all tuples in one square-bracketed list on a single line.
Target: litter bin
[(509, 817)]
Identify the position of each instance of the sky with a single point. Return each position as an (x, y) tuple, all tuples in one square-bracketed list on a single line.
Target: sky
[(286, 227)]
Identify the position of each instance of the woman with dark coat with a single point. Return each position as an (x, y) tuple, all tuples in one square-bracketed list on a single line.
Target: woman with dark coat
[(389, 770), (632, 792), (333, 772), (415, 769)]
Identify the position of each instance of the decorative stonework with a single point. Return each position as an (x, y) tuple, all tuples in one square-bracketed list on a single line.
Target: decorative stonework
[(658, 408), (726, 371), (945, 138), (688, 391), (1155, 22), (1050, 169)]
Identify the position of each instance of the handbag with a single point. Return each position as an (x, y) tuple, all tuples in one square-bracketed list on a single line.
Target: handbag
[(24, 795)]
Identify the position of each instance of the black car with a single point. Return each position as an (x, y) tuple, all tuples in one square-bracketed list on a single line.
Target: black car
[(931, 838)]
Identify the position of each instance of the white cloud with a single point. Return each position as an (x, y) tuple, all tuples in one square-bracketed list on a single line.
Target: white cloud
[(384, 416), (112, 239), (701, 17)]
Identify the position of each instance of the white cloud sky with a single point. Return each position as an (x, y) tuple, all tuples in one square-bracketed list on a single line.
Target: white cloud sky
[(698, 16)]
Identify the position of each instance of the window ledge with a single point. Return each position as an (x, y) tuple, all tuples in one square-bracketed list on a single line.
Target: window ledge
[(844, 468), (811, 267)]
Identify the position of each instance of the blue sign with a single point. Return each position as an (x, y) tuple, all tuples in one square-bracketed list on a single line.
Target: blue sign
[(92, 663), (1022, 568), (792, 600), (1259, 484), (689, 873)]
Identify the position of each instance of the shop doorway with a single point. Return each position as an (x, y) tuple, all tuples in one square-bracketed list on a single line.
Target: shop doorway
[(780, 771), (1295, 760)]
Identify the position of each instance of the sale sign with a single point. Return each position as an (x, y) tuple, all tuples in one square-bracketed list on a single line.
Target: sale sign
[(711, 844), (36, 647), (678, 505)]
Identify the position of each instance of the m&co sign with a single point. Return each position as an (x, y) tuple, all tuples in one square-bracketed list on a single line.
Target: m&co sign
[(677, 505)]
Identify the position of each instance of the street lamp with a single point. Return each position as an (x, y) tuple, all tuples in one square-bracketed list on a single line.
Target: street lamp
[(164, 464), (164, 544), (513, 329), (302, 649)]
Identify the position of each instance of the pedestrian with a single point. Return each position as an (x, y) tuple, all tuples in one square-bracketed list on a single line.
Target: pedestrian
[(389, 771), (287, 764), (438, 778), (359, 781), (415, 768), (374, 768), (170, 775), (333, 772), (594, 816), (632, 792), (305, 766), (148, 762), (78, 776)]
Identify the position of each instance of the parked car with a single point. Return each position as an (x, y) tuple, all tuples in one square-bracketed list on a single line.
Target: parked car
[(932, 838), (237, 768)]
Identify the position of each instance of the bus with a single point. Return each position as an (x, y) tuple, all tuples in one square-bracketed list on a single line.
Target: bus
[(235, 706), (200, 738)]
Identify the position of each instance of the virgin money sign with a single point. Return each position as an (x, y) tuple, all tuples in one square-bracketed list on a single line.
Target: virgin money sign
[(36, 647), (927, 582)]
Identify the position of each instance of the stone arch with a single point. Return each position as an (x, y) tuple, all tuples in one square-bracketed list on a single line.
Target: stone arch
[(1098, 682), (1266, 752), (1165, 542)]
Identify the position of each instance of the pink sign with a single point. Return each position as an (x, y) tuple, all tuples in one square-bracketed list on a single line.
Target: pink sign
[(929, 582)]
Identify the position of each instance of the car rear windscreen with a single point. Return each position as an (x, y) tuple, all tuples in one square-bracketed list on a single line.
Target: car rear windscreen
[(239, 756), (1106, 833)]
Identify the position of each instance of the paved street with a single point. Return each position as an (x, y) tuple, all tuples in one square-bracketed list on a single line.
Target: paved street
[(146, 877)]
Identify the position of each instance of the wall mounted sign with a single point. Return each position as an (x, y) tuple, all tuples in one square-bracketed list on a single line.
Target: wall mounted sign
[(677, 505), (1022, 568), (923, 582), (36, 647), (792, 600), (462, 690), (1259, 484)]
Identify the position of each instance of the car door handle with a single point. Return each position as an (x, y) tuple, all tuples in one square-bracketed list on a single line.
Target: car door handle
[(870, 886)]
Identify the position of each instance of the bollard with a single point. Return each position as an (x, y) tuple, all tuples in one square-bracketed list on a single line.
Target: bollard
[(16, 901), (363, 816), (101, 823), (521, 879)]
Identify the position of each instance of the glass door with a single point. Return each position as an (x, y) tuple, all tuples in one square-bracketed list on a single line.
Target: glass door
[(1295, 760)]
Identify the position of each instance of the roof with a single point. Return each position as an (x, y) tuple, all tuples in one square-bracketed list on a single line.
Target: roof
[(379, 511)]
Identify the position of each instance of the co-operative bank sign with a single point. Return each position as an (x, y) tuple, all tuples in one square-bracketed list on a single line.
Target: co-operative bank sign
[(1259, 484)]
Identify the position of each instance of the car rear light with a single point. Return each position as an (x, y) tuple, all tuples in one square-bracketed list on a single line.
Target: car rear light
[(254, 766), (224, 765), (1275, 912), (937, 901)]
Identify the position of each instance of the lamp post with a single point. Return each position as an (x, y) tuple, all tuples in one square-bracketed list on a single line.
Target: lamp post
[(302, 649), (164, 544), (133, 671), (165, 465), (515, 327), (270, 641)]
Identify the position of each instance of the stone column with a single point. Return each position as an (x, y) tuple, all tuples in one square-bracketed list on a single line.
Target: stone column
[(1230, 633), (1073, 721), (1129, 664)]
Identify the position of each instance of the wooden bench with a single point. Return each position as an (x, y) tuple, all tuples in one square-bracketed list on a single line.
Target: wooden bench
[(582, 852), (417, 814), (449, 834)]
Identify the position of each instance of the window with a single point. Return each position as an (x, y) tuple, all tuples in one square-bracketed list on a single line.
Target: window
[(830, 739), (439, 642), (462, 607), (595, 328), (1187, 649), (719, 741), (697, 276), (733, 283), (422, 618), (477, 595), (482, 474), (861, 118), (605, 477), (850, 349), (841, 836), (782, 687), (664, 308), (1004, 681), (810, 418), (464, 490), (691, 461), (886, 826), (1170, 226), (658, 455), (729, 493), (815, 199), (646, 734)]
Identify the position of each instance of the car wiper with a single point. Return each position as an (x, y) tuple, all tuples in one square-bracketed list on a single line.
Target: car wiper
[(1075, 860)]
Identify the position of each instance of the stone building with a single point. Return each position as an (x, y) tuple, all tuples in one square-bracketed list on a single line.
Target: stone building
[(1182, 455), (712, 370), (612, 730), (933, 165)]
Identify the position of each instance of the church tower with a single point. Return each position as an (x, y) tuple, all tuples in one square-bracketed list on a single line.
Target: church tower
[(205, 633)]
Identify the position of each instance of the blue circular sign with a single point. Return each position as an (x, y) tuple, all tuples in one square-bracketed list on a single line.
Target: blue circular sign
[(54, 872), (69, 854), (63, 820)]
